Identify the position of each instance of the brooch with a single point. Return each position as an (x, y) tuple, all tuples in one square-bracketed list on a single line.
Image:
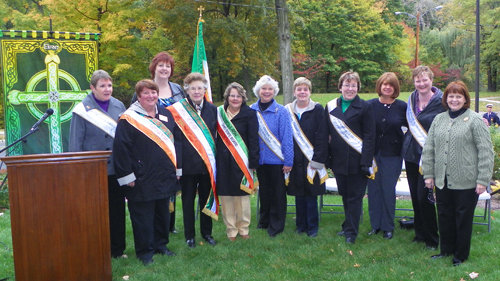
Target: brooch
[(466, 119)]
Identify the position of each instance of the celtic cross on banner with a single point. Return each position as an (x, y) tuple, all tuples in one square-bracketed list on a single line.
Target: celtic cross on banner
[(53, 96)]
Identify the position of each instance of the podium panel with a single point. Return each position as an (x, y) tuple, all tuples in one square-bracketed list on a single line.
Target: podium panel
[(59, 216)]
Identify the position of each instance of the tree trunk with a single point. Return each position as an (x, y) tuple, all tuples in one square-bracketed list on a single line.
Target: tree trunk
[(285, 50)]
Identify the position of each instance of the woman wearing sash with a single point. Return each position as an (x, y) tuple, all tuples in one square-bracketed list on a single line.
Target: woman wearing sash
[(145, 162), (197, 118), (458, 160), (93, 128), (161, 69), (276, 155), (351, 126), (390, 115), (237, 159), (310, 150), (423, 105)]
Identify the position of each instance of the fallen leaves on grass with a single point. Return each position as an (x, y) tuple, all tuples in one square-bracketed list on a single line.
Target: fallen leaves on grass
[(126, 277), (357, 265), (350, 252), (473, 275)]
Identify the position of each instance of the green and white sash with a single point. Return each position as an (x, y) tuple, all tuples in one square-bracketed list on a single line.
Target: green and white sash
[(418, 132), (349, 136), (271, 141), (306, 147), (97, 118), (236, 145)]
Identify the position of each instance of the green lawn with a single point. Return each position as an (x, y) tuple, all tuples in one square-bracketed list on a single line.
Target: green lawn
[(297, 257)]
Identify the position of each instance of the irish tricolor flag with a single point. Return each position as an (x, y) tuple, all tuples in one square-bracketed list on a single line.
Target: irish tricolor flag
[(200, 59)]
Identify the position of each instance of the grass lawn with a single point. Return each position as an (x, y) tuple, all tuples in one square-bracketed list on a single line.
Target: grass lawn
[(290, 256)]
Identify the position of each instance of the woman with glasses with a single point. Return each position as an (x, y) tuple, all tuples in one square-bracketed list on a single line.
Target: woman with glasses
[(458, 160), (237, 160), (423, 105), (351, 125)]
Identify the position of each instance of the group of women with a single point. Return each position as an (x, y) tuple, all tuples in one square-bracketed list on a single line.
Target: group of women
[(169, 141)]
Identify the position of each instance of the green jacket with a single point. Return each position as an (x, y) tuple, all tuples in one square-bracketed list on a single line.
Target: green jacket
[(459, 149)]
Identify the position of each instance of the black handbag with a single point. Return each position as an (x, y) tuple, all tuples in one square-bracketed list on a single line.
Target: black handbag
[(406, 223)]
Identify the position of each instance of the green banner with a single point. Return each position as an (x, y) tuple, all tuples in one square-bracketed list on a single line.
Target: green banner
[(39, 74)]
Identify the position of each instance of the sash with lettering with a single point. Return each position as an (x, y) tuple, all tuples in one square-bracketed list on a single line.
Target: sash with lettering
[(198, 134), (97, 118), (153, 129), (416, 129), (238, 149), (306, 147), (271, 141), (349, 136)]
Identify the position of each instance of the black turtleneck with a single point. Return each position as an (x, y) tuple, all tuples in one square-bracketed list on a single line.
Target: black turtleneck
[(264, 106), (455, 114)]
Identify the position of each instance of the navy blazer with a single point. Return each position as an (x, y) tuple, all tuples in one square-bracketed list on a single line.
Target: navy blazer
[(359, 117)]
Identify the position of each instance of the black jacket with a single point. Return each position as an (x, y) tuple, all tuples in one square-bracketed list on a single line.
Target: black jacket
[(344, 160), (136, 153), (388, 122), (412, 150), (313, 124), (192, 162), (229, 174)]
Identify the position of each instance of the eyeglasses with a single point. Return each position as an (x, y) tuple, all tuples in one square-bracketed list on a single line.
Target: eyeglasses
[(235, 97), (354, 86), (194, 89), (430, 196)]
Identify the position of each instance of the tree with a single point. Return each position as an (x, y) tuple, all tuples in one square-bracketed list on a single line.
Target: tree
[(285, 50)]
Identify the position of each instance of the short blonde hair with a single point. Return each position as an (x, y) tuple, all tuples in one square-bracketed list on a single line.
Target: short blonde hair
[(422, 69), (266, 80), (302, 81)]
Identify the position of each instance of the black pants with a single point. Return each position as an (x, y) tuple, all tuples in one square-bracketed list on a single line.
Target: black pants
[(456, 215), (191, 183), (150, 223), (272, 194), (425, 221), (116, 200), (352, 188), (307, 218), (172, 215)]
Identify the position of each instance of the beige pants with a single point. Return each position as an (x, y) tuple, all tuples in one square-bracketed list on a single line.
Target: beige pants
[(236, 212)]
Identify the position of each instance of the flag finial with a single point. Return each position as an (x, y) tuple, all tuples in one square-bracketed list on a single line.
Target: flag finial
[(201, 9)]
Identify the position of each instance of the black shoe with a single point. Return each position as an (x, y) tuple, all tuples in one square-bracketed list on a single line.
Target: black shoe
[(210, 240), (314, 234), (191, 243), (457, 262), (174, 231), (341, 233), (167, 252), (148, 262), (373, 231), (439, 256), (350, 240), (387, 234)]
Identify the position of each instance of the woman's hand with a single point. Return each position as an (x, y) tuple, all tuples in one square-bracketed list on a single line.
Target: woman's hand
[(286, 169), (131, 184), (480, 188), (429, 183)]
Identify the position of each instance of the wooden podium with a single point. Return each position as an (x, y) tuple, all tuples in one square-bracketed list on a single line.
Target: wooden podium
[(59, 216)]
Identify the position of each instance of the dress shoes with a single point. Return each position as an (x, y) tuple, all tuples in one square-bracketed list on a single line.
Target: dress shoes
[(341, 233), (245, 236), (438, 256), (166, 252), (210, 240), (123, 256), (457, 262), (349, 240), (191, 243), (387, 235), (373, 231), (232, 238), (174, 231), (148, 262)]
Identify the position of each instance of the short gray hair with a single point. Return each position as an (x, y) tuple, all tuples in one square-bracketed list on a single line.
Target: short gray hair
[(98, 75), (266, 80)]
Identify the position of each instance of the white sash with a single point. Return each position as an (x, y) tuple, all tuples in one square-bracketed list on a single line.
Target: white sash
[(97, 118), (349, 136), (418, 132), (271, 141), (306, 147), (152, 128)]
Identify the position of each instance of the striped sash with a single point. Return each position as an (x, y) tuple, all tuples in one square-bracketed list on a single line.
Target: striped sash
[(418, 132), (238, 149), (349, 136), (197, 133), (97, 118), (306, 147)]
